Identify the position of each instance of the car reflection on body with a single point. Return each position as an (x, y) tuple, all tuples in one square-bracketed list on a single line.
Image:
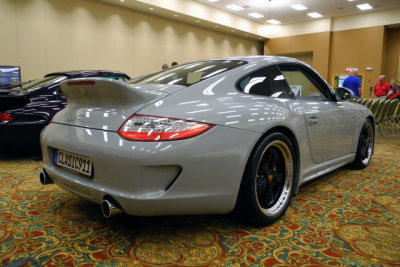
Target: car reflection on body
[(26, 110), (205, 137)]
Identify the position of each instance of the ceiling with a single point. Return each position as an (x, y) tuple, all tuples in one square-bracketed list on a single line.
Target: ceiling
[(281, 10)]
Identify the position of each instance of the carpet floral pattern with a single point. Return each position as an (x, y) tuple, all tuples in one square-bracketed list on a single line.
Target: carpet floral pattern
[(346, 218)]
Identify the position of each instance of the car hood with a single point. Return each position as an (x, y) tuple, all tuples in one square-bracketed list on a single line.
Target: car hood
[(15, 98), (9, 101)]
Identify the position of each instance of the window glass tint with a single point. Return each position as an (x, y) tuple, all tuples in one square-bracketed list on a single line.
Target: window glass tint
[(266, 82), (301, 84), (35, 84), (188, 74), (119, 78)]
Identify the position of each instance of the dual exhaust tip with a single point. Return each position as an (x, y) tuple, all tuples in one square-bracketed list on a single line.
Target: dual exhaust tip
[(109, 206), (45, 178)]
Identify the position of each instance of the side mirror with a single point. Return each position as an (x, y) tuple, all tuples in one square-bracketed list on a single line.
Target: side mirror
[(344, 94)]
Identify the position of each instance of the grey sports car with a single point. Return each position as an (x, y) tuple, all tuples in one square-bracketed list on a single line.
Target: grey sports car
[(205, 137)]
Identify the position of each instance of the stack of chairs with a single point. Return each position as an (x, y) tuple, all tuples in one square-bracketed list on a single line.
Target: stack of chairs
[(386, 113)]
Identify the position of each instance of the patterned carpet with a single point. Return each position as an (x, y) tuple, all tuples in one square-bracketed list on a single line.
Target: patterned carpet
[(346, 218)]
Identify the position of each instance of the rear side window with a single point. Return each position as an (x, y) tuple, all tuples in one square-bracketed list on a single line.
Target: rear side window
[(303, 83), (267, 81), (188, 74)]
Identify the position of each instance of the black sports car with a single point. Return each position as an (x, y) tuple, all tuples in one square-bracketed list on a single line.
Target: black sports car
[(26, 110)]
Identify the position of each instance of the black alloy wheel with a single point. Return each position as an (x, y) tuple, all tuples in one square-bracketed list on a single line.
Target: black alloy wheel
[(267, 184), (365, 146)]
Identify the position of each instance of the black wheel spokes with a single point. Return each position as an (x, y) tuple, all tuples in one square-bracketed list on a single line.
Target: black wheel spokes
[(265, 192), (273, 158), (262, 184), (364, 148), (269, 195), (270, 178), (366, 141)]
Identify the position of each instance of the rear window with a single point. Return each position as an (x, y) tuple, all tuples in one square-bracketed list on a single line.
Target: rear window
[(188, 74), (35, 84), (119, 78)]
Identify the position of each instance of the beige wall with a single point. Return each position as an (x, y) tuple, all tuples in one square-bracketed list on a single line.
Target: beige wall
[(52, 35), (333, 52), (391, 62), (358, 48), (316, 44)]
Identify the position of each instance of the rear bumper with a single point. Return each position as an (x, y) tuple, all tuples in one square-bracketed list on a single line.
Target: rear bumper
[(201, 175)]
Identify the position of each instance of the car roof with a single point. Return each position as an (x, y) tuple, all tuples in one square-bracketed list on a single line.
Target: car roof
[(258, 60), (87, 73), (263, 59)]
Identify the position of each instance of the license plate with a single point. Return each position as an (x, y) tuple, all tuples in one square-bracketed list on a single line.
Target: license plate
[(73, 162)]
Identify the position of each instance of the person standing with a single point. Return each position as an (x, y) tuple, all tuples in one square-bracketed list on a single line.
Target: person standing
[(353, 83), (381, 88)]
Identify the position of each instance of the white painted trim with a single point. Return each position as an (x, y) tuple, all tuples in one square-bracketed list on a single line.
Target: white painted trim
[(307, 27), (209, 16), (191, 11), (372, 19)]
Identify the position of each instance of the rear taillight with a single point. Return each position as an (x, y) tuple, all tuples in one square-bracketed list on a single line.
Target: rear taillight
[(5, 117), (153, 128)]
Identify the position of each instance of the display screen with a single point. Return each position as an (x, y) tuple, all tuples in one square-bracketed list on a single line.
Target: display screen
[(341, 80), (10, 75)]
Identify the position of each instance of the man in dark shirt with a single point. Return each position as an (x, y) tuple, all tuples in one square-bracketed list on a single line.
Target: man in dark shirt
[(353, 82)]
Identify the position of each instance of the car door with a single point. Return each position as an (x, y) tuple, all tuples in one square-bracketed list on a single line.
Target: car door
[(330, 124)]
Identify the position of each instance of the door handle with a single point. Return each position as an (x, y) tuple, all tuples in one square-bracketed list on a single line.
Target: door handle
[(313, 120)]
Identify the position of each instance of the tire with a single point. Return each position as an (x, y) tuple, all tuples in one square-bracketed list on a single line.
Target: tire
[(267, 184), (365, 147)]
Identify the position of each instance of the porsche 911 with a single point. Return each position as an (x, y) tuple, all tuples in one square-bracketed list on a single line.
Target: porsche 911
[(207, 137)]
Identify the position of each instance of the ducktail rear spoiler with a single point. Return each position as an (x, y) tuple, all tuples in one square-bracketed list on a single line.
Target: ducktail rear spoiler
[(103, 93)]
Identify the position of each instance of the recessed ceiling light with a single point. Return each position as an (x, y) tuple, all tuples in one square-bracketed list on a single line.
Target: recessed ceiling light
[(314, 15), (255, 15), (274, 21), (234, 7), (212, 1), (298, 7), (364, 6)]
